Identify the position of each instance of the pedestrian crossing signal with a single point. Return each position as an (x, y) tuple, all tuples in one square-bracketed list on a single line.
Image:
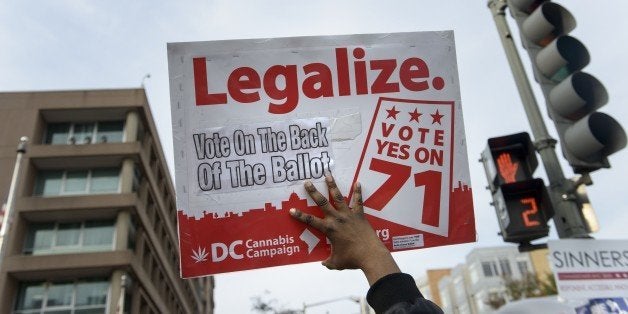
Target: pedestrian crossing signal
[(521, 201)]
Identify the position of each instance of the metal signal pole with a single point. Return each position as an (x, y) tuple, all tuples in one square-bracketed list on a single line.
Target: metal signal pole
[(567, 219)]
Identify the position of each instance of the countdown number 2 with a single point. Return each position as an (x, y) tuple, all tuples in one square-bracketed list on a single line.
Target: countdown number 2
[(531, 211)]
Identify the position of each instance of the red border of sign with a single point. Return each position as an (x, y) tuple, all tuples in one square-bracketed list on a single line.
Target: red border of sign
[(413, 101)]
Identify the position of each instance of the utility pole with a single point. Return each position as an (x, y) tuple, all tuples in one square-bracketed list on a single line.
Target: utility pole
[(8, 214), (567, 219)]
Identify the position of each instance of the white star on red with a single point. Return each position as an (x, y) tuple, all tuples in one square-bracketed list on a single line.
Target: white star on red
[(392, 113), (436, 117)]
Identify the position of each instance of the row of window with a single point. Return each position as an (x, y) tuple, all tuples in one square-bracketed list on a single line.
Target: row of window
[(84, 133), (59, 238), (490, 268), (74, 182), (70, 297)]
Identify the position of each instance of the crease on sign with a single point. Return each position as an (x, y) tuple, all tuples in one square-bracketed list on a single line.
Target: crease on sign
[(256, 119), (346, 123), (263, 40), (177, 137), (346, 127)]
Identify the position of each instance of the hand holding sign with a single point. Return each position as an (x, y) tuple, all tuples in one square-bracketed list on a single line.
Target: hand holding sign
[(354, 243)]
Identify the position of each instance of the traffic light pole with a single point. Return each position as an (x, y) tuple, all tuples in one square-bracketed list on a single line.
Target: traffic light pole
[(567, 218)]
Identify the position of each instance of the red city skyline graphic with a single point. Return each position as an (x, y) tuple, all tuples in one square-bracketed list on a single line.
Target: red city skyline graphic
[(271, 222)]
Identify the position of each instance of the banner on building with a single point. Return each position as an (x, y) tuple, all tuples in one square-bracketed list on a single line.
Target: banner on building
[(253, 119), (590, 269)]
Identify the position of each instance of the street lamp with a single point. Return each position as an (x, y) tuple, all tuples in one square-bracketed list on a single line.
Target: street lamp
[(8, 213)]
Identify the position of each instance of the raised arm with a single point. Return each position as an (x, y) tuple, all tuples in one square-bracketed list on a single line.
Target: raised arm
[(355, 245)]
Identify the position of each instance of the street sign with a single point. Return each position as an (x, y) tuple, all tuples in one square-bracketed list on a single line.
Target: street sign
[(253, 119), (590, 269)]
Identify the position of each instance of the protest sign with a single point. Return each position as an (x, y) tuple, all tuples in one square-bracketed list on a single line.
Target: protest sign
[(253, 119)]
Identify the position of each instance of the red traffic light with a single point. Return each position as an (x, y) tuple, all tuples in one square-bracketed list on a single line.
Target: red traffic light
[(509, 159)]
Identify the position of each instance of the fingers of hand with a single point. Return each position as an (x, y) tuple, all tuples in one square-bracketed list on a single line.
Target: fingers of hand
[(357, 199), (339, 200), (313, 221), (319, 199)]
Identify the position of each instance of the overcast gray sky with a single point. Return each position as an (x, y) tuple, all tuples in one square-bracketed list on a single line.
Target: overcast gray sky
[(66, 44)]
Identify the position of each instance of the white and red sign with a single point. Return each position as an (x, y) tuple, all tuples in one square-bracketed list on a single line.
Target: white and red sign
[(253, 119), (588, 269)]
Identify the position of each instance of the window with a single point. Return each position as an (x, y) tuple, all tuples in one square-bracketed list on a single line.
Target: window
[(75, 182), (489, 269), (81, 297), (84, 132), (137, 177), (59, 238), (104, 180), (57, 133), (110, 132), (504, 265), (523, 268)]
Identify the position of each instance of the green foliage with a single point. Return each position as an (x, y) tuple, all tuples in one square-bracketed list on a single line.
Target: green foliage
[(495, 300), (530, 286), (548, 285)]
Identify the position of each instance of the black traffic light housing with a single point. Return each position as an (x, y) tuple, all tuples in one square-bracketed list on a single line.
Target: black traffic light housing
[(519, 148), (528, 209), (521, 202), (587, 137)]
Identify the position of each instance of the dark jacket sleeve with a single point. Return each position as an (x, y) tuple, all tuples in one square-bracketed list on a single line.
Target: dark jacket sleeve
[(398, 294)]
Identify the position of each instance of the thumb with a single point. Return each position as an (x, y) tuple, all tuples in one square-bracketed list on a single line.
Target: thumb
[(328, 263)]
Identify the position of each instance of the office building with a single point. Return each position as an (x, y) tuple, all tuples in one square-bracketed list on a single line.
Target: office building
[(94, 223)]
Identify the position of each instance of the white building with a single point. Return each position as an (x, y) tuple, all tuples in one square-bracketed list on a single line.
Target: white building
[(470, 284)]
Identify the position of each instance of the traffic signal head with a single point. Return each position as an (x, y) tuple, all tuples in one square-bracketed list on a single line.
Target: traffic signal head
[(560, 58), (508, 159), (546, 22), (521, 202), (587, 137), (526, 6)]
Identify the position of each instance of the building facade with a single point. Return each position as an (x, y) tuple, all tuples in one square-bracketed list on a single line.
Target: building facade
[(428, 284), (470, 285), (94, 222)]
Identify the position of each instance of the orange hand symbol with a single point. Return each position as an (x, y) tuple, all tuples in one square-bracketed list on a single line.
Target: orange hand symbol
[(507, 169)]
